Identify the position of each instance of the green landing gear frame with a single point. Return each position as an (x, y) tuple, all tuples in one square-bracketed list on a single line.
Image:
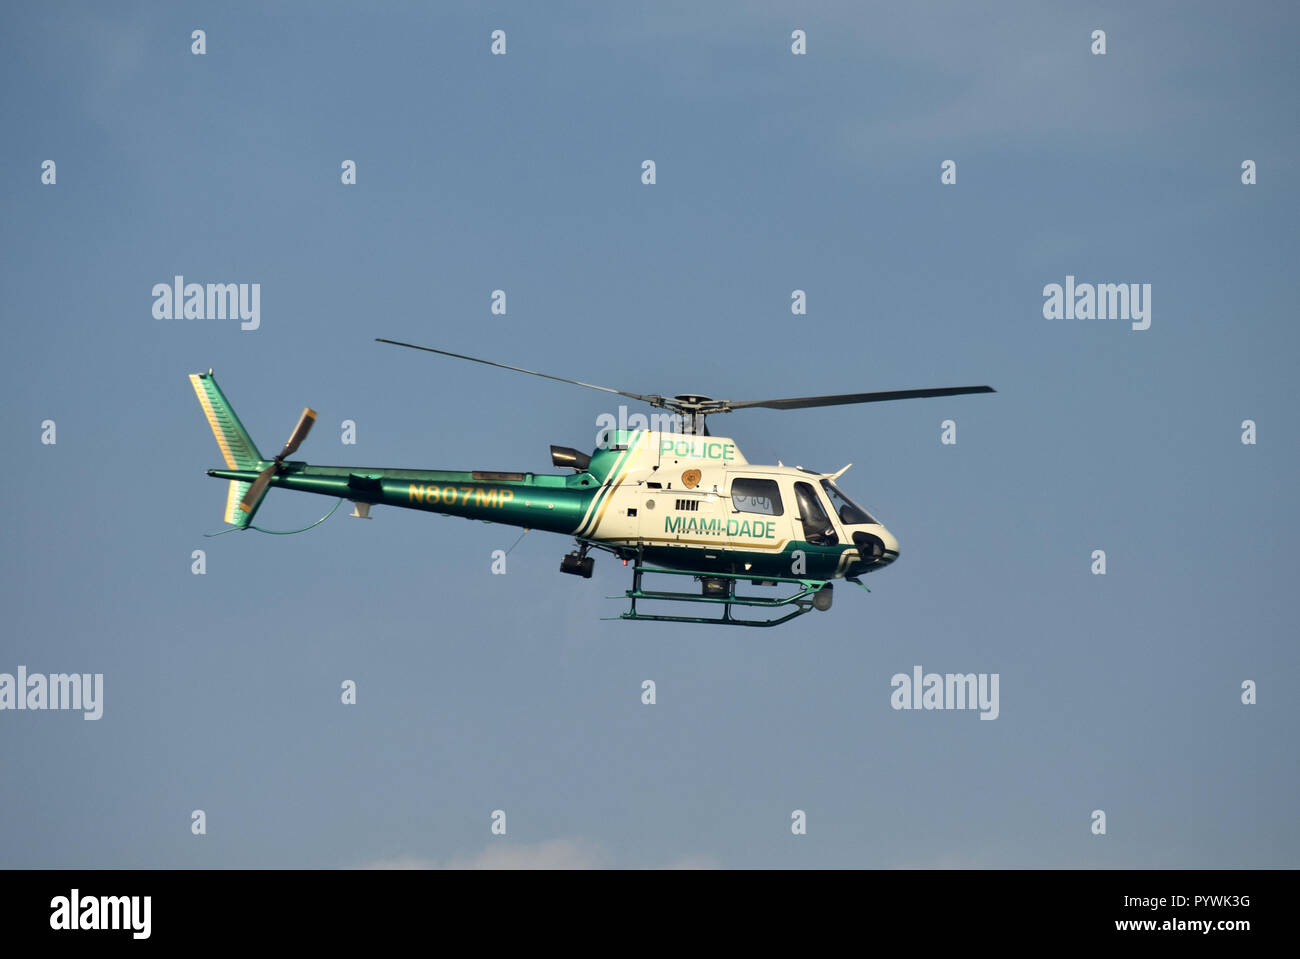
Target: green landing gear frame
[(802, 600)]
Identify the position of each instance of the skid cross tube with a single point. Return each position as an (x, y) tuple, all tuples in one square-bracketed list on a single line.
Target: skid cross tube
[(802, 600)]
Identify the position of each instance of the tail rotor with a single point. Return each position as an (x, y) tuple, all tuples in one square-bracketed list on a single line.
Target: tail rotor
[(255, 492)]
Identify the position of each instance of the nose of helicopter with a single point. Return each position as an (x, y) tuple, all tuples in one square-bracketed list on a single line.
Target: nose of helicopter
[(877, 547)]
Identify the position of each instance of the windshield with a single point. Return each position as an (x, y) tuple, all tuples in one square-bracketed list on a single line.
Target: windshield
[(851, 514)]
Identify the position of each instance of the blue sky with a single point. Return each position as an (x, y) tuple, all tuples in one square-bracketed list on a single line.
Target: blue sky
[(774, 173)]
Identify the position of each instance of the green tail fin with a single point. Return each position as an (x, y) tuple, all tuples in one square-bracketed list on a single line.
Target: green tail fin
[(236, 445)]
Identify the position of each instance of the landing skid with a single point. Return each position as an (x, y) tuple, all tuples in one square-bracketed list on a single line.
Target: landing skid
[(802, 600)]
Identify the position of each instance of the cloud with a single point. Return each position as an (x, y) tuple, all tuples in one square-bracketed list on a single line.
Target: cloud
[(694, 862), (943, 862), (403, 862), (552, 854)]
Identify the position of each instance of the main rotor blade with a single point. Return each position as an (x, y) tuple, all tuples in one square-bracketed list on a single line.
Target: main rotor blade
[(652, 400), (802, 402), (305, 423)]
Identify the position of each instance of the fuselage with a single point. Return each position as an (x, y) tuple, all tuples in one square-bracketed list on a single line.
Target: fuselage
[(677, 500)]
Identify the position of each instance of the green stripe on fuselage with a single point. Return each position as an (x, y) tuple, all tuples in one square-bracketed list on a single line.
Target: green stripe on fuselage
[(552, 503), (818, 562), (617, 459)]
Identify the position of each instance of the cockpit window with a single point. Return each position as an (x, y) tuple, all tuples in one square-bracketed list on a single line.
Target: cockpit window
[(851, 514)]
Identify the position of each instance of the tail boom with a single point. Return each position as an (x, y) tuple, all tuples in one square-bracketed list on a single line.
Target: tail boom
[(530, 500)]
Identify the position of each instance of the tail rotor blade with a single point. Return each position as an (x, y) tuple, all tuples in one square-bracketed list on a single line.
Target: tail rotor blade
[(255, 491), (305, 423), (249, 502)]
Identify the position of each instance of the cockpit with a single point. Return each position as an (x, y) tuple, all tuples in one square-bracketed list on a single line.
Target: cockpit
[(849, 512), (876, 546), (822, 514)]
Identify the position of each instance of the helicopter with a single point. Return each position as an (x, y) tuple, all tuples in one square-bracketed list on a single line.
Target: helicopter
[(680, 502)]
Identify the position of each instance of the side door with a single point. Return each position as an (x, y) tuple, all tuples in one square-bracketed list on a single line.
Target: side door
[(814, 523)]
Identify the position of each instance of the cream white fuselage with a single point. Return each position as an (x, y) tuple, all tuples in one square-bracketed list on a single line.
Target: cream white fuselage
[(699, 493)]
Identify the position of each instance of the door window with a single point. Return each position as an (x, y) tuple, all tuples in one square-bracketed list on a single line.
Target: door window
[(817, 526), (756, 496)]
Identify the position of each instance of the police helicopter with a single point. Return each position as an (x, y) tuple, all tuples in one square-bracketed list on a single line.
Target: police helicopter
[(682, 503)]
